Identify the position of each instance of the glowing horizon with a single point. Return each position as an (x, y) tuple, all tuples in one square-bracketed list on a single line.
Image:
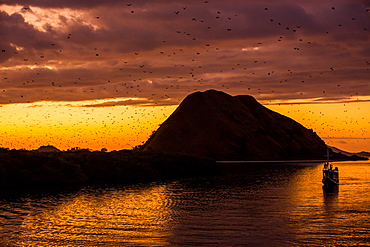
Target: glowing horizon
[(93, 125), (71, 124)]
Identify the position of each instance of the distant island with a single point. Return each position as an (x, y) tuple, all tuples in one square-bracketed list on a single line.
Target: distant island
[(48, 148), (349, 154)]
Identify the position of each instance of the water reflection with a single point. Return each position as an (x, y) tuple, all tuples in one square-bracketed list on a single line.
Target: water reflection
[(330, 192), (269, 205), (133, 217)]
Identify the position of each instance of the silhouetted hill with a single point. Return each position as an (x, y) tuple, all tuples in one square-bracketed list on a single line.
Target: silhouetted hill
[(48, 148), (360, 154), (216, 125), (363, 154)]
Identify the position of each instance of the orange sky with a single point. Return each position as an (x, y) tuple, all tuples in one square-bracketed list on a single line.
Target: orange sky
[(69, 124), (342, 125), (66, 125)]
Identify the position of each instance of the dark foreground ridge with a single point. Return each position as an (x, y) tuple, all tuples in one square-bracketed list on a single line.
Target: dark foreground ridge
[(20, 169), (216, 125)]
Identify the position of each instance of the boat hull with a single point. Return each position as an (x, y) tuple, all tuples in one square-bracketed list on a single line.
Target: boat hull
[(327, 182)]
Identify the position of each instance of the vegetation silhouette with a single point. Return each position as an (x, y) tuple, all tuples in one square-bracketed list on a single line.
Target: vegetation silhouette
[(21, 169)]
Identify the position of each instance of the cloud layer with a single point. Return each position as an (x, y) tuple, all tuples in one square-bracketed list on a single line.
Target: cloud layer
[(161, 51)]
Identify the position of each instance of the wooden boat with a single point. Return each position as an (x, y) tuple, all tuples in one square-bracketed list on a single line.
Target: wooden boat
[(330, 176)]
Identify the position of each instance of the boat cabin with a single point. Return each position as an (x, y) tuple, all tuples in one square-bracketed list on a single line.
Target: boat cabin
[(330, 175)]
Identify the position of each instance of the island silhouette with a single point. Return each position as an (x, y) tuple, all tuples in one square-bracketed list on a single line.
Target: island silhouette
[(216, 125)]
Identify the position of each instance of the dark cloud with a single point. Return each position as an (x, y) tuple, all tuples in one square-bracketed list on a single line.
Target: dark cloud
[(79, 50)]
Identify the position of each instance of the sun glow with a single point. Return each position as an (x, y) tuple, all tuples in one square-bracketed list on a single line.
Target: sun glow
[(57, 18), (343, 125), (93, 124)]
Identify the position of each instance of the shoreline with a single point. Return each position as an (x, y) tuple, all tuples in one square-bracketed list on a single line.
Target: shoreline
[(275, 161)]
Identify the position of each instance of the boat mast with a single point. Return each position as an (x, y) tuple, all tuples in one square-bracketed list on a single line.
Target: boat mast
[(327, 158)]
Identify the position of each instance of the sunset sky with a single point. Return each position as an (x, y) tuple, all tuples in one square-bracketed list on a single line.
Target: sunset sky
[(105, 74)]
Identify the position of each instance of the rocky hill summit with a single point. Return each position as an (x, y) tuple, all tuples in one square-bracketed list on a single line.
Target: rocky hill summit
[(213, 124), (48, 148)]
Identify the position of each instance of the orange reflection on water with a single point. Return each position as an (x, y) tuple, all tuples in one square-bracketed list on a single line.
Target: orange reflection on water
[(318, 214), (130, 217), (305, 192)]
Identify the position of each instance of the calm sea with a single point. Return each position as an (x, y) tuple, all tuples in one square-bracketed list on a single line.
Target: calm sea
[(249, 205)]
